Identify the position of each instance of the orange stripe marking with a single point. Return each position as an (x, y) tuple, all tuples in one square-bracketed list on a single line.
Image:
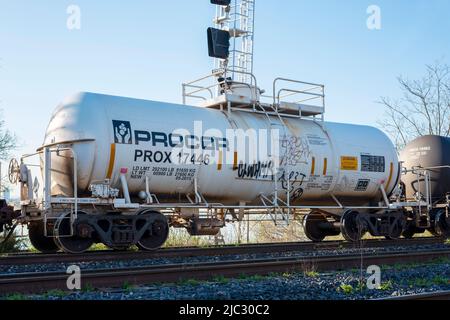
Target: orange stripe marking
[(219, 164), (112, 159), (313, 166)]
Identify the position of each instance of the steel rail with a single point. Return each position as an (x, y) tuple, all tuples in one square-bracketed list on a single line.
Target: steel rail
[(111, 255), (437, 295), (111, 278)]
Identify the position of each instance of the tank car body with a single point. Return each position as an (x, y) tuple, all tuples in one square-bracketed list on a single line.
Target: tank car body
[(120, 171), (428, 152), (322, 159), (427, 179)]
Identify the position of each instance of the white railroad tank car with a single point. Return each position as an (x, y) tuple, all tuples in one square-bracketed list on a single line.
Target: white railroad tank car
[(121, 171), (349, 161)]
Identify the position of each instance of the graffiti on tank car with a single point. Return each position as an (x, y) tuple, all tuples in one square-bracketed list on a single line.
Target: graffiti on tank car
[(295, 151), (261, 170), (293, 183)]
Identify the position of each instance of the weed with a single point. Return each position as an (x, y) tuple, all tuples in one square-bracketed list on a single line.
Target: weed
[(311, 274), (16, 297), (345, 288), (189, 282), (221, 279), (385, 286), (88, 288), (55, 293)]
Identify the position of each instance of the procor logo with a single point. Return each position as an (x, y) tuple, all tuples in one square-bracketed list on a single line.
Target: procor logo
[(123, 134)]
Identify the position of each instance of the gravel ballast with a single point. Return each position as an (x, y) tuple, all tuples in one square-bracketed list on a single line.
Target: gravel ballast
[(396, 281)]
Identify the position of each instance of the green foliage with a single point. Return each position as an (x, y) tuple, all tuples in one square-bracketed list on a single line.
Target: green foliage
[(128, 287), (221, 279), (181, 238), (440, 280), (311, 274), (425, 283), (88, 288), (98, 247), (189, 282), (256, 277), (345, 288), (16, 297), (386, 286), (56, 293), (13, 244), (361, 286)]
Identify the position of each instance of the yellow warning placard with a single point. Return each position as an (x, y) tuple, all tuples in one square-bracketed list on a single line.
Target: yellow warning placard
[(349, 163)]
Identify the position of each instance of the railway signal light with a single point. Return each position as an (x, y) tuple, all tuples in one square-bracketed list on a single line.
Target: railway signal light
[(221, 2), (218, 43)]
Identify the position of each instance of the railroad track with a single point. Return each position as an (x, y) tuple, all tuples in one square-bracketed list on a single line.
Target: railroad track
[(41, 282), (438, 295), (110, 255)]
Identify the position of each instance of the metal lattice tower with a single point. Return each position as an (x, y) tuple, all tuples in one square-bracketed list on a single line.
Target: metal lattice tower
[(239, 20)]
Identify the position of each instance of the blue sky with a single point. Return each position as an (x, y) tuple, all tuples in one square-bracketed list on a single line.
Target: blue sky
[(146, 48)]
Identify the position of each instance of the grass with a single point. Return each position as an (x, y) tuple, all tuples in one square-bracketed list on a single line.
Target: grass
[(13, 244), (189, 282), (221, 279), (87, 288), (312, 274), (16, 297), (386, 286), (128, 287), (256, 277), (425, 283), (181, 238), (56, 293), (404, 266), (346, 288), (98, 247)]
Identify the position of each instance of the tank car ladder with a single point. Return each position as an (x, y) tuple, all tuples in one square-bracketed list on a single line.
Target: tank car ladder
[(277, 208)]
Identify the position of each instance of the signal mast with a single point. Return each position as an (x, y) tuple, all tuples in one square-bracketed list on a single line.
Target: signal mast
[(237, 18)]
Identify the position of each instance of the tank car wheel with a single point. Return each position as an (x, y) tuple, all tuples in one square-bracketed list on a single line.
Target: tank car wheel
[(39, 240), (396, 231), (70, 244), (311, 226), (395, 234), (13, 171), (351, 230), (157, 233), (409, 231), (442, 224)]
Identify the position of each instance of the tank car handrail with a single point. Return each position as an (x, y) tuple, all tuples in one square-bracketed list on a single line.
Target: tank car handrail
[(54, 144), (318, 95), (415, 169), (200, 89), (279, 79), (219, 72)]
